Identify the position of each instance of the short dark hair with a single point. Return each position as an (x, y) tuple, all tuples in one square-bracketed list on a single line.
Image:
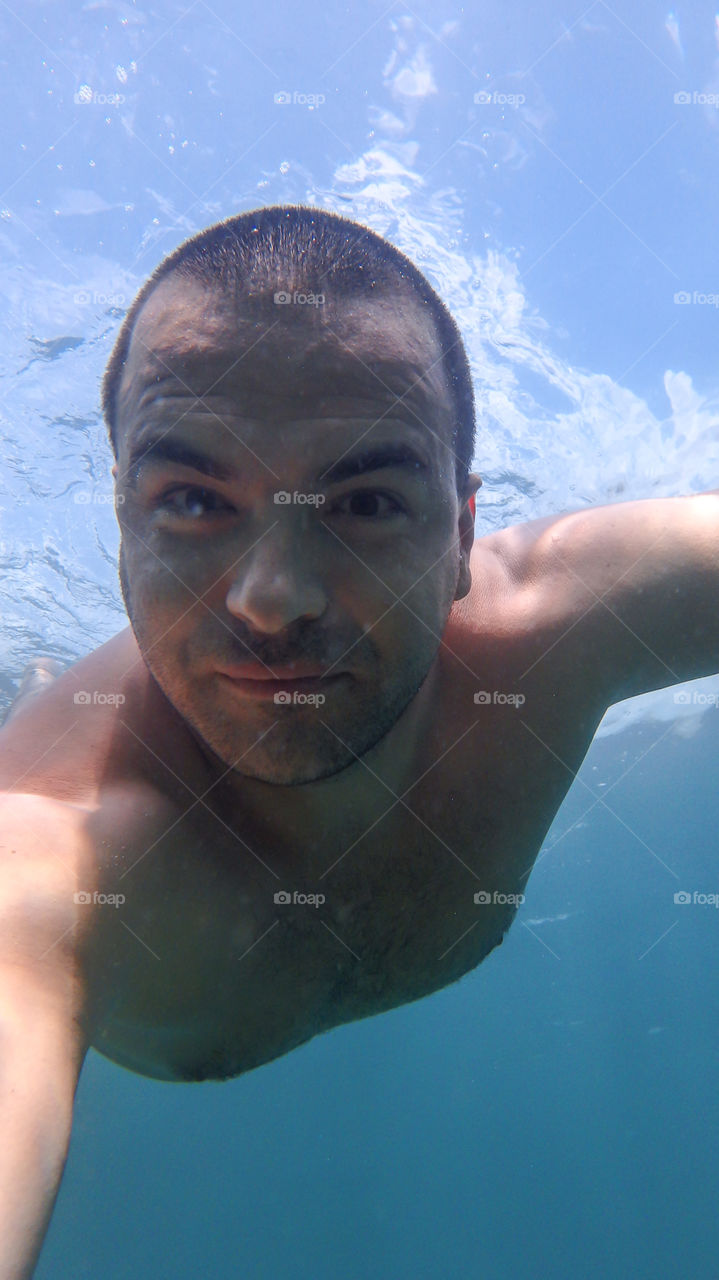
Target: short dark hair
[(291, 246)]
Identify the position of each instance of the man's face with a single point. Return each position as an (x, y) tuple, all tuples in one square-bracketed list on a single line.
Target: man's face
[(281, 506)]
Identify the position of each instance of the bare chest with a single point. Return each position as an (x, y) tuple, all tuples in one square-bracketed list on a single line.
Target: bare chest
[(231, 951)]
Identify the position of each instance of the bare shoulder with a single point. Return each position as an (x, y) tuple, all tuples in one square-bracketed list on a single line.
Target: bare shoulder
[(102, 727), (615, 600), (492, 622), (526, 627), (44, 857), (40, 840)]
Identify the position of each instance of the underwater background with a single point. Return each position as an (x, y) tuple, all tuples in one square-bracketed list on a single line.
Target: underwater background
[(552, 170)]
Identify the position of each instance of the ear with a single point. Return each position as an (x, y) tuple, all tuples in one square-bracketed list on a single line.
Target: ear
[(114, 471), (467, 517)]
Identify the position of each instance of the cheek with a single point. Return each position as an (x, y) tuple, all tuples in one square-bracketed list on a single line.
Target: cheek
[(408, 578), (402, 560), (164, 573), (417, 613)]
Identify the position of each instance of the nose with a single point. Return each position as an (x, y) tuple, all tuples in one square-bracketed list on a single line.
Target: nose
[(275, 583)]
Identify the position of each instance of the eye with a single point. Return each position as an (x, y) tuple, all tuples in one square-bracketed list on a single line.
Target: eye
[(368, 503), (192, 502)]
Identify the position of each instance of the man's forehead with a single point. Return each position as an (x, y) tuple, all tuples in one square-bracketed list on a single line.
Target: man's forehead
[(203, 339)]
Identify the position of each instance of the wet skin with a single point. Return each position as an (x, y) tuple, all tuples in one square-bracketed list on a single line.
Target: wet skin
[(399, 796)]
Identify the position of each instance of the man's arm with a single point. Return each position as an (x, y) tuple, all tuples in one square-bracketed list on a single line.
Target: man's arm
[(629, 591), (42, 1037)]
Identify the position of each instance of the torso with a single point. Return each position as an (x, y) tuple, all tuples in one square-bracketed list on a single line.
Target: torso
[(200, 973)]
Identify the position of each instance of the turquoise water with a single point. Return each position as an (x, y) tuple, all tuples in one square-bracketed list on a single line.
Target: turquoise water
[(555, 1112)]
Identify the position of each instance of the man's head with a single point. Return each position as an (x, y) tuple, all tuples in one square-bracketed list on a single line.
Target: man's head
[(291, 411)]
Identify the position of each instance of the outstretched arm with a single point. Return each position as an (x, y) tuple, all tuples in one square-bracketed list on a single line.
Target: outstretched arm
[(634, 586), (42, 1040)]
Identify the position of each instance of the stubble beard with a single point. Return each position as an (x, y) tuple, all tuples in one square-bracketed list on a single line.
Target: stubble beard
[(288, 747)]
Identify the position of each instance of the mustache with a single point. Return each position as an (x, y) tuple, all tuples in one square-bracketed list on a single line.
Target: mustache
[(314, 650)]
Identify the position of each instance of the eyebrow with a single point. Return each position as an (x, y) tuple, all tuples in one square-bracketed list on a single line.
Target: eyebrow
[(165, 449), (375, 458)]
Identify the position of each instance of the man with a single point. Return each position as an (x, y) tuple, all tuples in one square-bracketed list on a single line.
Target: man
[(309, 783)]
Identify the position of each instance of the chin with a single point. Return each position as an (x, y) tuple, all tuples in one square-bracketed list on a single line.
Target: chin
[(283, 767), (290, 748), (302, 776)]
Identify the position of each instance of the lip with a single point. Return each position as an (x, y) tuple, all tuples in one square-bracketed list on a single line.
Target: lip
[(273, 675), (259, 685)]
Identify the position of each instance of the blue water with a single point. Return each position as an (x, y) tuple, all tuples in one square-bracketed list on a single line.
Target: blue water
[(555, 1112)]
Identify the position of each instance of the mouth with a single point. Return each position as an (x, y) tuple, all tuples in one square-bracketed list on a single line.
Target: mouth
[(258, 682)]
